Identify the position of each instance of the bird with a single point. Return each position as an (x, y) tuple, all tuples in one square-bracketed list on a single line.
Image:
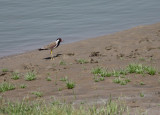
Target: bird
[(51, 46)]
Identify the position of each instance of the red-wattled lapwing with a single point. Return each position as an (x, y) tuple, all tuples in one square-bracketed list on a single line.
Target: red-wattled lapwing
[(52, 46)]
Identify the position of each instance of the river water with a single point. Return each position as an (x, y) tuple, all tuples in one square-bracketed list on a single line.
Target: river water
[(29, 24)]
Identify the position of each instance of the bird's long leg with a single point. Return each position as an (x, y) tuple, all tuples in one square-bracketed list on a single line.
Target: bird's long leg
[(51, 55)]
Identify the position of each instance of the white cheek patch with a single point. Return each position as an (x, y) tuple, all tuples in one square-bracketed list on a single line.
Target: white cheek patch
[(56, 43)]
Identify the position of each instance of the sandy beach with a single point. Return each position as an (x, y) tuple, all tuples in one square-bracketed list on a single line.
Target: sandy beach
[(75, 61)]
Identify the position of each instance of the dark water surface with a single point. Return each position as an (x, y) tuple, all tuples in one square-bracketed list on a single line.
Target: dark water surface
[(29, 24)]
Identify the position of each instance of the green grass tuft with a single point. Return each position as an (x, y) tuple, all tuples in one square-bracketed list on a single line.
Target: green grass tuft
[(111, 107), (5, 86), (136, 68), (64, 78), (131, 68), (70, 84), (15, 75), (141, 69), (98, 78), (48, 79), (62, 63), (4, 70), (81, 61), (102, 72), (116, 73), (23, 86), (37, 93), (97, 70), (142, 83), (30, 76), (151, 70), (141, 94), (121, 81)]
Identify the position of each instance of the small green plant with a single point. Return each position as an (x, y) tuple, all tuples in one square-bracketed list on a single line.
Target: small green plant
[(81, 61), (4, 70), (121, 81), (141, 83), (123, 72), (98, 78), (5, 86), (141, 59), (141, 69), (48, 79), (151, 70), (23, 86), (70, 84), (62, 63), (101, 78), (141, 94), (116, 73), (136, 68), (117, 80), (37, 93), (30, 76), (109, 74), (48, 74), (97, 70), (59, 89), (64, 78), (104, 73), (127, 80), (101, 72), (15, 75)]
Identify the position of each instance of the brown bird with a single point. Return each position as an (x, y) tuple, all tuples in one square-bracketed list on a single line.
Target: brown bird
[(52, 46)]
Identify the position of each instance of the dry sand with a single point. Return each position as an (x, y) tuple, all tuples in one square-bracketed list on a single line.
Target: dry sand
[(137, 45)]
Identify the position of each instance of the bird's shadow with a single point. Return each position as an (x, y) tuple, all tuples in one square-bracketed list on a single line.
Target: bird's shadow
[(58, 55)]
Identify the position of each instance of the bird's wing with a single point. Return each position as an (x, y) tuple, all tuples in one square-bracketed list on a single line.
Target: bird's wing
[(50, 46)]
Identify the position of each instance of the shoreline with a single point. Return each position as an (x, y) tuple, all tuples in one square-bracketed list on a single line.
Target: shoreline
[(27, 51), (76, 62)]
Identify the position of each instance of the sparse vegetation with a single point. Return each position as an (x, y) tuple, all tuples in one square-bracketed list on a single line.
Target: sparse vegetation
[(23, 86), (131, 68), (81, 61), (4, 70), (141, 94), (141, 83), (142, 59), (117, 80), (30, 76), (101, 72), (62, 63), (59, 89), (64, 78), (15, 75), (116, 73), (5, 86), (111, 107), (141, 69), (121, 81), (70, 84), (48, 79), (97, 70), (37, 93), (136, 68), (151, 70), (98, 78)]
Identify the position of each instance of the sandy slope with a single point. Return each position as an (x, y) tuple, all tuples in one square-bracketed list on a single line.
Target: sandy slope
[(139, 45)]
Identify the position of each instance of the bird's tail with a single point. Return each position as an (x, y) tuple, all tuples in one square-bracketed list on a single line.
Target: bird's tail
[(40, 49)]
